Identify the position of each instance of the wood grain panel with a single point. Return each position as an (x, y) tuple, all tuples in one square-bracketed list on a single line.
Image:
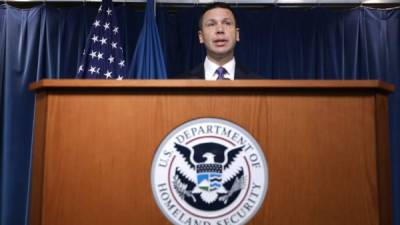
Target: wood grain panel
[(321, 149), (326, 144), (36, 201), (383, 160), (204, 84)]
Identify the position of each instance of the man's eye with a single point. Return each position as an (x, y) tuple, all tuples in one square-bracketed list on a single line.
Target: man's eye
[(210, 24), (227, 23)]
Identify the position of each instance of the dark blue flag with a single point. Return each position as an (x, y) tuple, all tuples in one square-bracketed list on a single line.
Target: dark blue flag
[(103, 56), (148, 60)]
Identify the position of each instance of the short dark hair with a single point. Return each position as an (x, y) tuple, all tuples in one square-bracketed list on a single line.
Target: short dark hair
[(213, 6)]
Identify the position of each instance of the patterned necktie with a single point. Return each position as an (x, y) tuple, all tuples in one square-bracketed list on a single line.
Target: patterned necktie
[(221, 72)]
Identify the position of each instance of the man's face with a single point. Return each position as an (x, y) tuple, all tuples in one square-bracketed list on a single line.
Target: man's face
[(219, 33)]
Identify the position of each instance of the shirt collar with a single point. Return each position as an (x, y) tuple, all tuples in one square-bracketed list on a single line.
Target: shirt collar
[(210, 68)]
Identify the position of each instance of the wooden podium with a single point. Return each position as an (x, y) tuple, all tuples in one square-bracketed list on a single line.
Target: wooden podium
[(326, 144)]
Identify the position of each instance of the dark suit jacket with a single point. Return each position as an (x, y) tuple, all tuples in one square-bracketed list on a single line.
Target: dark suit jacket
[(198, 73)]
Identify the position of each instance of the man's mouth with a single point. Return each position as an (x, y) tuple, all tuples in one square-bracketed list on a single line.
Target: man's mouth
[(220, 42)]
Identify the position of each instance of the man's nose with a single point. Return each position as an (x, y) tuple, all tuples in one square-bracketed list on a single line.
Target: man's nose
[(220, 28)]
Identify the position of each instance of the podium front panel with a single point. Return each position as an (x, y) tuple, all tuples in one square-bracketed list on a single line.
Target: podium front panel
[(96, 148)]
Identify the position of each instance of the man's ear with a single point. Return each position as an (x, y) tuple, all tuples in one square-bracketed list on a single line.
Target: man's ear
[(237, 35), (200, 35)]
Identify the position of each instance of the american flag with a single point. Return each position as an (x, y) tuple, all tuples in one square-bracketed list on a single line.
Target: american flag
[(103, 57)]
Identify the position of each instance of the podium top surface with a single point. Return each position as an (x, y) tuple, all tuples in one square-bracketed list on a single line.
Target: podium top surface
[(202, 84)]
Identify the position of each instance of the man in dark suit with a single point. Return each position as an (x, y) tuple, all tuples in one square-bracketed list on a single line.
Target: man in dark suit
[(219, 34)]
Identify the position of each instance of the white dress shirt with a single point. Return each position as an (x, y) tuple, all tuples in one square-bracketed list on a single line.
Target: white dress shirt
[(210, 68)]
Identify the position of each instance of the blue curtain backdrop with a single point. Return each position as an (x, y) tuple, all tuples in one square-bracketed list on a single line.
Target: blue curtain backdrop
[(319, 43)]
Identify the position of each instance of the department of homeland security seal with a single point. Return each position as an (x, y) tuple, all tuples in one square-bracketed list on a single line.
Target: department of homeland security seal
[(209, 172)]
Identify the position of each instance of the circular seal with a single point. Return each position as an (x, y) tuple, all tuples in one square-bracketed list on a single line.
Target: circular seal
[(211, 172)]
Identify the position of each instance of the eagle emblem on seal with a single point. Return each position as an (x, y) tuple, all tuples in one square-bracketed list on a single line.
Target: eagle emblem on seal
[(209, 172)]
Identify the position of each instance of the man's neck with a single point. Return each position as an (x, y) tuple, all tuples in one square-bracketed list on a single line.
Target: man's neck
[(211, 67), (220, 60)]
